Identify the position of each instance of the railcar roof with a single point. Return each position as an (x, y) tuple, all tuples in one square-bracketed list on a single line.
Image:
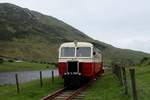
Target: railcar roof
[(72, 44)]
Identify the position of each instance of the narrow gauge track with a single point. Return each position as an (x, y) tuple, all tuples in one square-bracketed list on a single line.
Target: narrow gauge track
[(64, 94)]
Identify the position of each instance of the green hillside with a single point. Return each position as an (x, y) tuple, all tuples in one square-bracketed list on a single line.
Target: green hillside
[(30, 35)]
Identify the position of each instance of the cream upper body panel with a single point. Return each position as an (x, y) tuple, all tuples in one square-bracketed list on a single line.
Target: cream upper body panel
[(79, 44), (92, 58)]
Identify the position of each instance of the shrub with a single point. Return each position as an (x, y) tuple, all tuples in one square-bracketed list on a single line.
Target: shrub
[(41, 62), (10, 60), (1, 60), (144, 59)]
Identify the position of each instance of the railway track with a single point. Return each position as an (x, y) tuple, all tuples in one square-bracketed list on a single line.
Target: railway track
[(64, 94)]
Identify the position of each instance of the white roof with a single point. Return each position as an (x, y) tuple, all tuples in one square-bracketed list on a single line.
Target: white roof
[(79, 44)]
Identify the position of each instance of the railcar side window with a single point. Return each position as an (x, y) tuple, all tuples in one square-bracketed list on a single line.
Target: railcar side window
[(67, 52), (83, 52)]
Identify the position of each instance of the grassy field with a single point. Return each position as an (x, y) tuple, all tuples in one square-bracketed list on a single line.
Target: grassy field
[(106, 88), (31, 90), (109, 88), (20, 66), (143, 82)]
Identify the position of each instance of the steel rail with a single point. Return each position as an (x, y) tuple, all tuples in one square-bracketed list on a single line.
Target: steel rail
[(54, 94), (69, 96)]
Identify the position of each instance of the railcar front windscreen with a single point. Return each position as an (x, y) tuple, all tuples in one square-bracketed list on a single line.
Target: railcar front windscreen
[(83, 52), (67, 52)]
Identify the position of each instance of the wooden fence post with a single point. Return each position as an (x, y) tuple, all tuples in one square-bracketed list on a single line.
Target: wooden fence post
[(52, 76), (17, 83), (41, 80), (133, 83), (117, 71), (113, 69), (120, 75), (125, 80)]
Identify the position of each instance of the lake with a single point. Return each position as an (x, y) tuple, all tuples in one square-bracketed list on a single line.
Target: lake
[(24, 76)]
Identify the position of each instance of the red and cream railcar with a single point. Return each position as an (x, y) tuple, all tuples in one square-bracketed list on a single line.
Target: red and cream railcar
[(79, 61)]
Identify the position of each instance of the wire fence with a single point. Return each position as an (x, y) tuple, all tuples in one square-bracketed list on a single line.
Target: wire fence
[(17, 78), (121, 74)]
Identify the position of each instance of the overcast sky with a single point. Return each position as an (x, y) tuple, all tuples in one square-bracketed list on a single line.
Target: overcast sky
[(122, 23)]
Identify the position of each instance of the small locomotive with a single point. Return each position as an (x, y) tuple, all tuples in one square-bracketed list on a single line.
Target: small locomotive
[(79, 62)]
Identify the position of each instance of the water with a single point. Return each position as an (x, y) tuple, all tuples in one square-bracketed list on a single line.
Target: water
[(24, 76)]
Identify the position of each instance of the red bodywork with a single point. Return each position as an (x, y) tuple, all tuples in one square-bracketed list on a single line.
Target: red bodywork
[(87, 69)]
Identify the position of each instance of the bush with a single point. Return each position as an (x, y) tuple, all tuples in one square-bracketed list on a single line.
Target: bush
[(41, 62), (1, 60), (149, 63), (144, 59), (10, 60)]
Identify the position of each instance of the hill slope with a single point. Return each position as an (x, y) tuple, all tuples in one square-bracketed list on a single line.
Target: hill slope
[(31, 35)]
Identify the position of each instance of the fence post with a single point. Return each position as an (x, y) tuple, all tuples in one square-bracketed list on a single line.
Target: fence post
[(17, 83), (113, 69), (125, 80), (52, 76), (41, 80), (116, 71), (120, 75), (133, 83)]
